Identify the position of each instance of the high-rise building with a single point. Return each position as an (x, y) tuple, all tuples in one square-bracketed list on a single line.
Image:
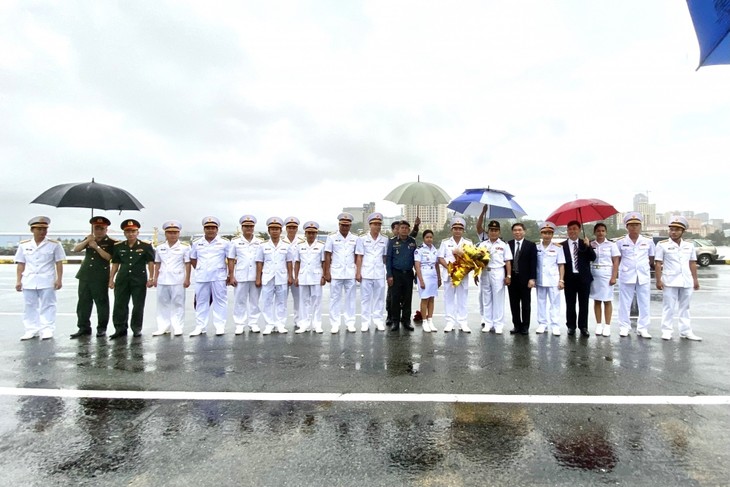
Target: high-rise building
[(648, 210), (432, 217)]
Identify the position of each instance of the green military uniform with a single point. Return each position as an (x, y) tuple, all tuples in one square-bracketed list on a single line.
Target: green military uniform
[(93, 279), (130, 281)]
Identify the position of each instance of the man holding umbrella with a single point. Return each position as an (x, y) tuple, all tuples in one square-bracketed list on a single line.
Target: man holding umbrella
[(93, 276), (578, 277)]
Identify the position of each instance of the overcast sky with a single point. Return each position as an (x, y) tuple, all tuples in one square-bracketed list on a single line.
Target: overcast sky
[(303, 107)]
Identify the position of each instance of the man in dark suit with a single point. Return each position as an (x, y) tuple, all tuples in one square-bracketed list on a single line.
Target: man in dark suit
[(578, 257), (522, 280)]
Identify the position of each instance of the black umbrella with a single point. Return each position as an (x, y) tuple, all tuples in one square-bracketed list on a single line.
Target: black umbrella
[(88, 195)]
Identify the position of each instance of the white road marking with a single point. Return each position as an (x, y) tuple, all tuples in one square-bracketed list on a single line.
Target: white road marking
[(368, 397)]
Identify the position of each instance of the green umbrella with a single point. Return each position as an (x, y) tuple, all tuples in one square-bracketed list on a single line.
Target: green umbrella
[(418, 193)]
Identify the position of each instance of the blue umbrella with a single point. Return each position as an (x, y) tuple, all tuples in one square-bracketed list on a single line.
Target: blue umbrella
[(711, 19), (501, 203)]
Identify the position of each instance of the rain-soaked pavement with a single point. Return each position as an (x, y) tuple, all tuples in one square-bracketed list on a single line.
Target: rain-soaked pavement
[(52, 440)]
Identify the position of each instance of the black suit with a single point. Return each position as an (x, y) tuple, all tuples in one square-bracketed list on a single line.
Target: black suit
[(519, 292), (578, 284)]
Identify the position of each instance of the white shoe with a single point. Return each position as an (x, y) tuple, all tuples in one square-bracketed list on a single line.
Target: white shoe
[(599, 329), (351, 328), (281, 329), (255, 329), (335, 329), (239, 329), (606, 330), (426, 327), (318, 329), (302, 329), (29, 335), (364, 328), (666, 335), (159, 333), (643, 334), (220, 332), (432, 326), (197, 331), (624, 332), (178, 333), (498, 329), (465, 328), (46, 334), (691, 336), (541, 329), (556, 331), (267, 330), (380, 327), (449, 327)]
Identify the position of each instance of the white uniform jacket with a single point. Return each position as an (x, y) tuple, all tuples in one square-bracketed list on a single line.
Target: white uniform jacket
[(40, 262), (343, 255), (244, 252), (373, 251), (675, 260), (211, 259), (172, 262), (548, 264), (274, 260), (634, 265), (310, 258)]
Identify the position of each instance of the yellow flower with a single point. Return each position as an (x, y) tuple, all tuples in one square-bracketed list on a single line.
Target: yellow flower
[(468, 258)]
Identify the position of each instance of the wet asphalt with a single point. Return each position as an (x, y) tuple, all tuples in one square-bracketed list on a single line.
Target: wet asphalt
[(91, 441)]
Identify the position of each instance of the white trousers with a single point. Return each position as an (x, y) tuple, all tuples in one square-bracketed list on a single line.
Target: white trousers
[(491, 290), (203, 293), (39, 311), (455, 302), (548, 306), (170, 307), (273, 303), (246, 310), (676, 298), (295, 300), (625, 297), (372, 301), (310, 307), (342, 289)]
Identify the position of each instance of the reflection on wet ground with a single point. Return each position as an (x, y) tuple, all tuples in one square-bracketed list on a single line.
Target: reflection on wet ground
[(135, 442)]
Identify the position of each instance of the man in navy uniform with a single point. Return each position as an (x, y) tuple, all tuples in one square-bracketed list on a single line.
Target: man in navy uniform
[(131, 274), (93, 276), (399, 271)]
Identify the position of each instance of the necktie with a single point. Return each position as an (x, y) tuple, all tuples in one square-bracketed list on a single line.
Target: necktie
[(516, 259), (575, 256)]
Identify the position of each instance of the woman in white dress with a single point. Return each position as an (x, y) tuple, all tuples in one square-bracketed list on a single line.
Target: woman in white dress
[(605, 273), (429, 278)]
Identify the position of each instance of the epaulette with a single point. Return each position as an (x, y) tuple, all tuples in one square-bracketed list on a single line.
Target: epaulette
[(119, 242), (53, 241), (25, 241), (184, 244), (145, 242), (557, 244), (224, 238), (665, 240)]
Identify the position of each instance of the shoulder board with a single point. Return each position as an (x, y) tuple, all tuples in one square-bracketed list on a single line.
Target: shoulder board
[(445, 239), (557, 244), (53, 241), (147, 242), (119, 242), (225, 239), (664, 241), (25, 241), (185, 244)]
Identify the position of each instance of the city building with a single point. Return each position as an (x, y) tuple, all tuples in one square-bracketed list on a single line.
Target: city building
[(432, 217)]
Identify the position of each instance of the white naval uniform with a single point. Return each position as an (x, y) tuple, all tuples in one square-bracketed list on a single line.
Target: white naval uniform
[(634, 279), (678, 284), (428, 258), (602, 270), (491, 284), (482, 236), (210, 281), (455, 297), (246, 295), (38, 283), (372, 272), (342, 274), (274, 282), (290, 258), (549, 260), (310, 258), (170, 288)]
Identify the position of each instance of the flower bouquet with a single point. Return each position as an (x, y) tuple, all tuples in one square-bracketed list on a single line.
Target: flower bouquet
[(468, 258)]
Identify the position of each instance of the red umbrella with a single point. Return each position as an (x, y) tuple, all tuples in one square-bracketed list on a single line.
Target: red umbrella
[(583, 210)]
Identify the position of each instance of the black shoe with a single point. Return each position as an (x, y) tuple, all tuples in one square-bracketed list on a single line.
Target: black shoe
[(571, 332), (80, 333), (117, 334), (395, 326), (408, 326), (137, 334), (100, 333), (525, 332), (514, 331), (388, 322), (584, 333)]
